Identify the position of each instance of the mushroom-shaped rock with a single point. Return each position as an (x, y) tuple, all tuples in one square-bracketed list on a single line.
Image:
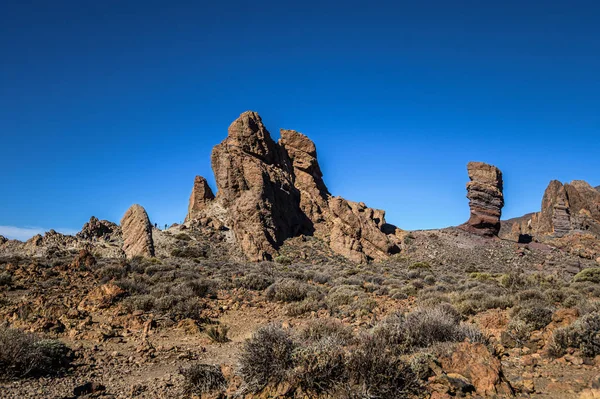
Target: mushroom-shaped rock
[(137, 233)]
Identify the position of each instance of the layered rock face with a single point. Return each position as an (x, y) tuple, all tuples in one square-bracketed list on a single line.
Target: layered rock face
[(201, 197), (567, 208), (137, 233), (486, 200), (268, 192)]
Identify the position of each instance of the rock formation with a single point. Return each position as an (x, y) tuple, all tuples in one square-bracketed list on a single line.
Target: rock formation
[(98, 229), (486, 200), (269, 192), (567, 208), (201, 196), (256, 188), (3, 240), (137, 233)]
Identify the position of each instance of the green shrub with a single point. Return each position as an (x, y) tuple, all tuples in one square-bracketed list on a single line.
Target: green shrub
[(591, 275)]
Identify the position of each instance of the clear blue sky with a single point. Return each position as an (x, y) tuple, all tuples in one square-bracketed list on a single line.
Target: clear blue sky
[(108, 103)]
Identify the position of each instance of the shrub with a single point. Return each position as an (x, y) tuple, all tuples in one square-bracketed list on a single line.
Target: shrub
[(5, 279), (283, 260), (203, 378), (320, 365), (419, 266), (535, 314), (255, 281), (591, 275), (23, 354), (182, 236), (319, 329), (218, 333), (288, 290), (375, 372), (111, 272), (266, 358), (144, 303), (425, 327), (582, 335)]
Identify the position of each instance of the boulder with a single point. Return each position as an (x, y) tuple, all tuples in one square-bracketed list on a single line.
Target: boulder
[(3, 240), (101, 297), (486, 199), (98, 229), (475, 362), (201, 196), (137, 233)]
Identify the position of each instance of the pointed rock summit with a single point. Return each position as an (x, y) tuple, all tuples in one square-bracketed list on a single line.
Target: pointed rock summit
[(486, 199), (137, 233), (201, 197), (268, 192)]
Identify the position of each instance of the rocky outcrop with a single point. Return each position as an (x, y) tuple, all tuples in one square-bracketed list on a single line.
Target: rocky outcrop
[(351, 229), (308, 178), (486, 199), (3, 240), (269, 192), (99, 230), (568, 208), (201, 197), (137, 233), (255, 186)]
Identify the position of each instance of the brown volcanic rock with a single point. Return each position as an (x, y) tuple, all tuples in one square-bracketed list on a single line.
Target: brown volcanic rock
[(255, 186), (137, 232), (98, 229), (269, 192), (486, 200), (568, 208), (351, 229), (308, 178), (201, 196)]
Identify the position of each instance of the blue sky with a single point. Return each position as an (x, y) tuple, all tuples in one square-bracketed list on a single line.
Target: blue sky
[(106, 104)]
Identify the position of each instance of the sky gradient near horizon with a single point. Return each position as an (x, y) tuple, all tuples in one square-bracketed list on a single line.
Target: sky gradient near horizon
[(106, 104)]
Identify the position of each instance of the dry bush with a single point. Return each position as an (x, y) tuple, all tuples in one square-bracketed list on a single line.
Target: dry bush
[(320, 366), (203, 379), (266, 358), (582, 335), (24, 354), (218, 333), (375, 372), (288, 290)]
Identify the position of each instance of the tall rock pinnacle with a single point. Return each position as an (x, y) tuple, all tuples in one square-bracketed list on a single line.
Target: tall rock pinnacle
[(137, 233), (486, 200)]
